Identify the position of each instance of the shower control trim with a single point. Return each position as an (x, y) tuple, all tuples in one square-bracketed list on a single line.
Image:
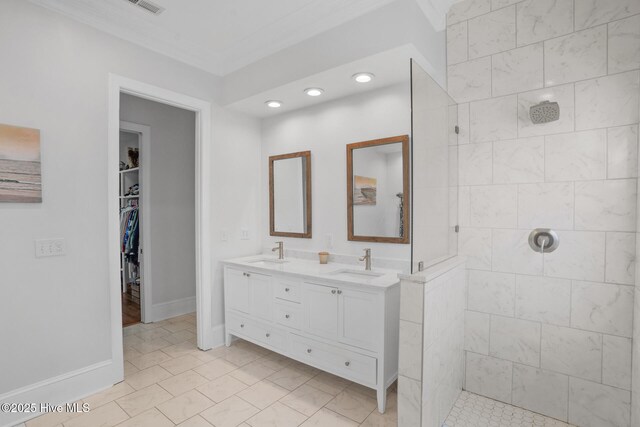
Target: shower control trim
[(544, 240)]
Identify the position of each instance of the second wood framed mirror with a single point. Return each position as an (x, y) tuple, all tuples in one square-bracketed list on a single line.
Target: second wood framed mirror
[(378, 190), (290, 195)]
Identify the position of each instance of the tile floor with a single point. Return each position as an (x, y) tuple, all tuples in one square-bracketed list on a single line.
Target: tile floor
[(471, 410), (169, 382)]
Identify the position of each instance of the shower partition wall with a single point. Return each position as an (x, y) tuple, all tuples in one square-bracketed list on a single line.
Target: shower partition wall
[(434, 186)]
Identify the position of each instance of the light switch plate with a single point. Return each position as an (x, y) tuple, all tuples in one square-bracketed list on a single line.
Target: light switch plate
[(50, 247), (224, 236), (244, 234)]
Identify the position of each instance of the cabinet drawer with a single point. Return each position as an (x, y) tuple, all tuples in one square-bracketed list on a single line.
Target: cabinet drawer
[(287, 290), (340, 361), (288, 315), (249, 328)]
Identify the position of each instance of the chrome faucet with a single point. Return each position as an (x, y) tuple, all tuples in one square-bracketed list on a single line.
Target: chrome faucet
[(367, 259), (280, 249)]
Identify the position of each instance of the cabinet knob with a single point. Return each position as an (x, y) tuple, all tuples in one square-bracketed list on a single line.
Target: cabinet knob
[(339, 291), (286, 289), (242, 325), (308, 350), (347, 363), (267, 334), (333, 291), (286, 316), (248, 275)]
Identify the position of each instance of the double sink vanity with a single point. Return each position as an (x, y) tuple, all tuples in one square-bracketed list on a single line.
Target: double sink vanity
[(339, 318)]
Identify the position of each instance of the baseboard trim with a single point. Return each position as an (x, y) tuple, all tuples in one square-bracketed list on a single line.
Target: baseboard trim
[(65, 388), (167, 310)]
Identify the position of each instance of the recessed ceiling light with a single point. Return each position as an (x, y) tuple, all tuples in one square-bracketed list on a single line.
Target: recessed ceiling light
[(274, 104), (314, 91), (363, 77)]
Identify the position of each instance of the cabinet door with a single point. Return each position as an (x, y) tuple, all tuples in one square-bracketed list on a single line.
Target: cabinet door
[(320, 310), (359, 318), (236, 290), (261, 296)]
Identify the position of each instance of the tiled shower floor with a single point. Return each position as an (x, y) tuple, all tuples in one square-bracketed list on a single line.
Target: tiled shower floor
[(471, 410)]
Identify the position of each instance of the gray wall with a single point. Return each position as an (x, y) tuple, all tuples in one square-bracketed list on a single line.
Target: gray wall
[(171, 209)]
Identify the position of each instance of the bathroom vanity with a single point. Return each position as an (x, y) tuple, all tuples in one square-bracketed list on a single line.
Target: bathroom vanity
[(338, 318)]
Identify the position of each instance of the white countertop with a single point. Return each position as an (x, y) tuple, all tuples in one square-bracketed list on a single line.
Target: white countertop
[(310, 270)]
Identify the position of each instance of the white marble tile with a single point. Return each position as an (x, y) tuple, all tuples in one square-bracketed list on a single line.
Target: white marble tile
[(577, 56), (457, 48), (475, 162), (546, 205), (488, 376), (409, 401), (511, 253), (494, 119), (463, 123), (470, 80), (494, 206), (410, 355), (622, 152), (580, 256), (498, 4), (492, 33), (464, 209), (491, 292), (543, 299), (597, 405), (602, 307), (467, 9), (608, 205), (563, 95), (576, 156), (517, 70), (515, 339), (608, 101), (616, 361), (476, 332), (518, 161), (539, 20), (572, 352), (590, 13), (411, 301), (624, 45), (475, 244), (620, 263), (541, 391)]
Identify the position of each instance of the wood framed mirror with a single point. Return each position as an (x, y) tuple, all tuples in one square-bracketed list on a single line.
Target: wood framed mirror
[(290, 195), (378, 190)]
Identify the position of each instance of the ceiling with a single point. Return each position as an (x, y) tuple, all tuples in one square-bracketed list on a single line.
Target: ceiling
[(222, 36), (389, 68)]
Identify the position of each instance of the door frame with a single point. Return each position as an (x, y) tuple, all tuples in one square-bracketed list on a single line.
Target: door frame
[(144, 179), (202, 109)]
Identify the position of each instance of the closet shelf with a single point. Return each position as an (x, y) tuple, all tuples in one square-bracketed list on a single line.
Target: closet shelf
[(129, 170)]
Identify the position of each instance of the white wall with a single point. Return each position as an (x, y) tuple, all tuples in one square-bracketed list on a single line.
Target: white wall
[(54, 77), (326, 130), (171, 210), (549, 333)]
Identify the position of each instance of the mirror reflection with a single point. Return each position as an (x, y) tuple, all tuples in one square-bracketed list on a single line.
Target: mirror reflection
[(290, 194), (378, 190)]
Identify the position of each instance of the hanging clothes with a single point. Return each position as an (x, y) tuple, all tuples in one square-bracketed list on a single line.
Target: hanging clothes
[(130, 233)]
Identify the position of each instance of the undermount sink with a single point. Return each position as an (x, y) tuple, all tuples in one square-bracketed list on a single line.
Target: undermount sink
[(268, 261), (357, 274)]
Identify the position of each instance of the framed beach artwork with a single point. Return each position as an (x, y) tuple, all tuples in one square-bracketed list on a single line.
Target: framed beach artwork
[(20, 175), (364, 190)]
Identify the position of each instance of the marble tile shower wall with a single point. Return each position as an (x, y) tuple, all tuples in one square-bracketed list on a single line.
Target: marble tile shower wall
[(549, 333)]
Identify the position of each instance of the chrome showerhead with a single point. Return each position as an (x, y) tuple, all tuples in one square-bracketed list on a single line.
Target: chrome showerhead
[(544, 112)]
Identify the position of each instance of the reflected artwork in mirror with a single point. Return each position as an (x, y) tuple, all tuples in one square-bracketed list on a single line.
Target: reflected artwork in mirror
[(378, 190), (290, 195)]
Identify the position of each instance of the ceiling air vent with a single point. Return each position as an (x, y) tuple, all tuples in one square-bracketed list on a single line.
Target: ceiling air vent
[(148, 6)]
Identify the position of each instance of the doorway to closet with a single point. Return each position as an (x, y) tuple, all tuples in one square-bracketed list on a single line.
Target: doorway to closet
[(157, 210)]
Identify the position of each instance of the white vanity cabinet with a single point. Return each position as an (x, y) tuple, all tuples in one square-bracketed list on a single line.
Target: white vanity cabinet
[(349, 329)]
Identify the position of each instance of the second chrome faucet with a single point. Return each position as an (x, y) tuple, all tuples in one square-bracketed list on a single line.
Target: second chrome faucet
[(280, 249), (367, 259)]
